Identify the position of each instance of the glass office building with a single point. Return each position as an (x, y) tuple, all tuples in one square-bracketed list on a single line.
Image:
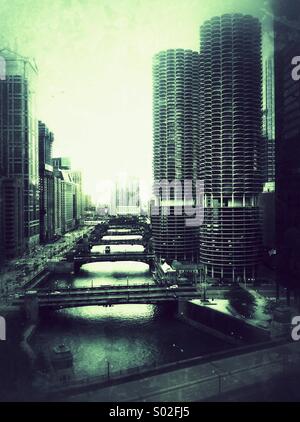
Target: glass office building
[(19, 136)]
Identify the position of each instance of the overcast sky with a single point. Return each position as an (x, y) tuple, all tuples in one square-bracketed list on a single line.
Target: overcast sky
[(94, 59)]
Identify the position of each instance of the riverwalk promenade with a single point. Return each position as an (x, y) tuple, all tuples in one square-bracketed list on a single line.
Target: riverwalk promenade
[(197, 379)]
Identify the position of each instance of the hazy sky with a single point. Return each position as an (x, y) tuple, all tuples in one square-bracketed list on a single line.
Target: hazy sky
[(95, 60)]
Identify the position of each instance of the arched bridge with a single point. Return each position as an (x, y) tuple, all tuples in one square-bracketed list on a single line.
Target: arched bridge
[(80, 260), (118, 242)]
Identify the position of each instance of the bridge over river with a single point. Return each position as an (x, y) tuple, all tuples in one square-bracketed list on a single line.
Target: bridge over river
[(86, 258), (106, 295)]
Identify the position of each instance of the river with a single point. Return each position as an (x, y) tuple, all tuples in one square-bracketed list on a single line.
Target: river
[(122, 336), (102, 338)]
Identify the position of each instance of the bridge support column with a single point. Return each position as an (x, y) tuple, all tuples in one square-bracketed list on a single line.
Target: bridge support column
[(31, 307), (76, 267), (181, 307), (151, 265)]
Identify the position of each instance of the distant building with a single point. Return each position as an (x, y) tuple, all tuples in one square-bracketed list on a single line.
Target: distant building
[(125, 198), (88, 203), (46, 174), (65, 208), (67, 196), (69, 204), (63, 163), (77, 180), (59, 228), (19, 139), (102, 210)]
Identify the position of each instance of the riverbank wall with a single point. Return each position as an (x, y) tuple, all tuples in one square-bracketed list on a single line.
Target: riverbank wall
[(25, 343), (223, 326)]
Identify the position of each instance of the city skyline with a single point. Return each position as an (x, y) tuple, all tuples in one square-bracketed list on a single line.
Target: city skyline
[(149, 206), (81, 110)]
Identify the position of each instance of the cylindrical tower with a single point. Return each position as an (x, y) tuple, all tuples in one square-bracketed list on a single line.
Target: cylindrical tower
[(175, 148), (230, 145)]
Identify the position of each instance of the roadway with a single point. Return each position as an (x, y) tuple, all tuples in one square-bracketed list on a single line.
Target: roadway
[(110, 295), (16, 273), (113, 257)]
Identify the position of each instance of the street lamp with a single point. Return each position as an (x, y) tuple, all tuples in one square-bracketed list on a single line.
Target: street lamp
[(108, 369)]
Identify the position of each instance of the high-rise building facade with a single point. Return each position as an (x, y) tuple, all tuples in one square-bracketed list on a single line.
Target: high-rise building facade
[(46, 184), (59, 228), (18, 134), (287, 132), (77, 179), (64, 193), (63, 163), (12, 242), (67, 196), (175, 149), (230, 145), (269, 125)]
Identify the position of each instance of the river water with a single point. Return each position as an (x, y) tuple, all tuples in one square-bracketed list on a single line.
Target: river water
[(122, 336)]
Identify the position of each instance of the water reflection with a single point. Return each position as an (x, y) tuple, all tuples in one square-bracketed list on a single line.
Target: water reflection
[(123, 335), (121, 231), (129, 238), (106, 273)]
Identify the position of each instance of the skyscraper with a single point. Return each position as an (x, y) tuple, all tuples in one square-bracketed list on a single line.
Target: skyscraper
[(65, 196), (77, 179), (230, 145), (18, 134), (269, 123), (46, 183), (12, 242), (287, 155), (175, 148)]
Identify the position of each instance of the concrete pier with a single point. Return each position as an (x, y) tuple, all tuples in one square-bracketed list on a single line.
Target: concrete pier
[(31, 307), (25, 343), (60, 267)]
